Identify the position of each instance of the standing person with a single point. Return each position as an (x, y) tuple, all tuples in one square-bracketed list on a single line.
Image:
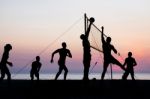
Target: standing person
[(4, 62), (86, 50), (130, 63), (63, 53), (108, 58), (36, 65)]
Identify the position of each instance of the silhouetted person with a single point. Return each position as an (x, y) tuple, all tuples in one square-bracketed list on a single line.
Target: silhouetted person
[(108, 58), (4, 62), (130, 63), (36, 65), (63, 53), (86, 51)]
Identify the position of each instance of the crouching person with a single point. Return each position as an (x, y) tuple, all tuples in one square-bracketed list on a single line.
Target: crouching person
[(36, 65)]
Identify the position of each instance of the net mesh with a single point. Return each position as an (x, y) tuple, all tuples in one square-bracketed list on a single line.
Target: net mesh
[(95, 38)]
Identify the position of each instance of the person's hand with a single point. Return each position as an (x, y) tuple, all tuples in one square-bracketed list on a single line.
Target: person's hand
[(10, 64), (52, 60)]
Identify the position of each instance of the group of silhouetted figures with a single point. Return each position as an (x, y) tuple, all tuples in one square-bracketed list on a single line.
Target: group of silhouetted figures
[(128, 65), (108, 58)]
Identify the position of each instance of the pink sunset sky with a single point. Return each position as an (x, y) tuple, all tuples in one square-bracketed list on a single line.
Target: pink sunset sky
[(31, 25)]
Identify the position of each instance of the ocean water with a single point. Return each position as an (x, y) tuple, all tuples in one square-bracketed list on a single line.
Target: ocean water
[(78, 76)]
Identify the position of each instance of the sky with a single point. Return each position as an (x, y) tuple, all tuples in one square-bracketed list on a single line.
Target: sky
[(33, 26)]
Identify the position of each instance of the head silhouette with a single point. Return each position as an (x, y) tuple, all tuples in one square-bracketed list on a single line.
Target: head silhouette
[(82, 36), (37, 58), (64, 45), (108, 40), (8, 47), (129, 54)]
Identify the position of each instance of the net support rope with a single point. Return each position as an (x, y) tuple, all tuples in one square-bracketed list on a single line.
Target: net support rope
[(49, 45)]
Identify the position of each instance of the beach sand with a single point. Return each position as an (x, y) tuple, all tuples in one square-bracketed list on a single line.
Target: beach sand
[(75, 89)]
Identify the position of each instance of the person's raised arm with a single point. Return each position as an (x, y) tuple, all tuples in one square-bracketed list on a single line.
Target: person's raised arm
[(102, 35), (53, 55), (89, 28)]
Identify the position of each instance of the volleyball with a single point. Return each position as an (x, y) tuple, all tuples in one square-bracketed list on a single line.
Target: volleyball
[(92, 19)]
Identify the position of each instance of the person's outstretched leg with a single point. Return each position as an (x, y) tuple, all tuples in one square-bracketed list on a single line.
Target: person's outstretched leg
[(132, 75), (58, 73), (66, 72), (115, 61), (104, 70)]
